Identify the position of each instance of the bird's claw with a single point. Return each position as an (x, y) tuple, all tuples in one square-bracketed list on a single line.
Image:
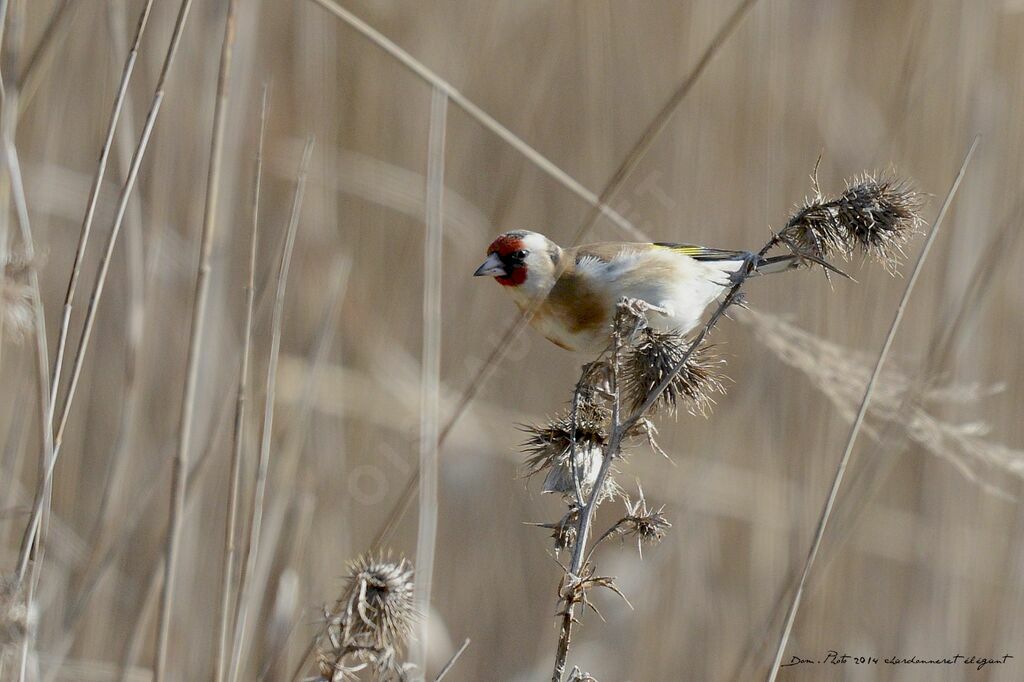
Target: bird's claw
[(640, 307)]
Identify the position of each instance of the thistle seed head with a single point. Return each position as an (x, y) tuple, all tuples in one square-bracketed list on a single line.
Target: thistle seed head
[(653, 356), (876, 216), (377, 609), (880, 217)]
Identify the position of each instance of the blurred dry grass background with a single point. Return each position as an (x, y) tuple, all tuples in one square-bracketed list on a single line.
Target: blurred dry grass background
[(924, 557)]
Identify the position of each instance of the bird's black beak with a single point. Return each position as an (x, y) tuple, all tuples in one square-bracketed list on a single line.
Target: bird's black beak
[(492, 267)]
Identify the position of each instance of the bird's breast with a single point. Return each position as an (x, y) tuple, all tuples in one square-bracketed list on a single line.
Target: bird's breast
[(573, 316)]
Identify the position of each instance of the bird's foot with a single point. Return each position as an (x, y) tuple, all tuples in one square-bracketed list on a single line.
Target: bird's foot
[(640, 307)]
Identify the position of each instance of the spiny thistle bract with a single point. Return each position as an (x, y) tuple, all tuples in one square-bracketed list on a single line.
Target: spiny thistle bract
[(649, 526), (563, 531), (876, 216), (652, 356), (371, 622)]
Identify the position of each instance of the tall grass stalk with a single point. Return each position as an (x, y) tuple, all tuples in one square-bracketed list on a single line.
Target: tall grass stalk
[(238, 437), (430, 377), (140, 284), (263, 466), (94, 193), (179, 472), (858, 421), (111, 546), (101, 275), (298, 428)]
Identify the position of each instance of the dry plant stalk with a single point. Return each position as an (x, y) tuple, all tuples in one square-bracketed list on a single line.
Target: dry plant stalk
[(645, 373), (234, 481), (179, 472), (263, 466), (31, 530)]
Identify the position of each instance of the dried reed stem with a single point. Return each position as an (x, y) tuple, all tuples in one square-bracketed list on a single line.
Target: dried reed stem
[(101, 275), (94, 193), (103, 557), (179, 473), (149, 600), (451, 661), (239, 428), (858, 421), (256, 519), (136, 291), (298, 426), (430, 377)]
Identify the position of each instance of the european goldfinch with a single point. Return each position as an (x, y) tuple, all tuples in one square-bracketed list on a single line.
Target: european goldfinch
[(673, 282)]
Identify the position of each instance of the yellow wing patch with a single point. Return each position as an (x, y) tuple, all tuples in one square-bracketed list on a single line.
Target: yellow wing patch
[(700, 252)]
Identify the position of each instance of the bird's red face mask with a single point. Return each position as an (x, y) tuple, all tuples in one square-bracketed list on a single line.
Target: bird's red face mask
[(506, 261)]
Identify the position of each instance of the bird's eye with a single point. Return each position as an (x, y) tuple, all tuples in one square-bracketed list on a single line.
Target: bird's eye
[(520, 255)]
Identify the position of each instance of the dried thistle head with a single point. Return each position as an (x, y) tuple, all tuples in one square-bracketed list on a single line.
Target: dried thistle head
[(880, 216), (647, 525), (377, 608), (344, 665), (652, 357), (371, 622), (876, 216)]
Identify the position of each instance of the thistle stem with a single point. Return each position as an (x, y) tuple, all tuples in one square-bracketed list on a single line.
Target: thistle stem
[(619, 429)]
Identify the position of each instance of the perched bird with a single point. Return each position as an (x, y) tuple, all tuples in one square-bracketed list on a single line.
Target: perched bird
[(574, 292)]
